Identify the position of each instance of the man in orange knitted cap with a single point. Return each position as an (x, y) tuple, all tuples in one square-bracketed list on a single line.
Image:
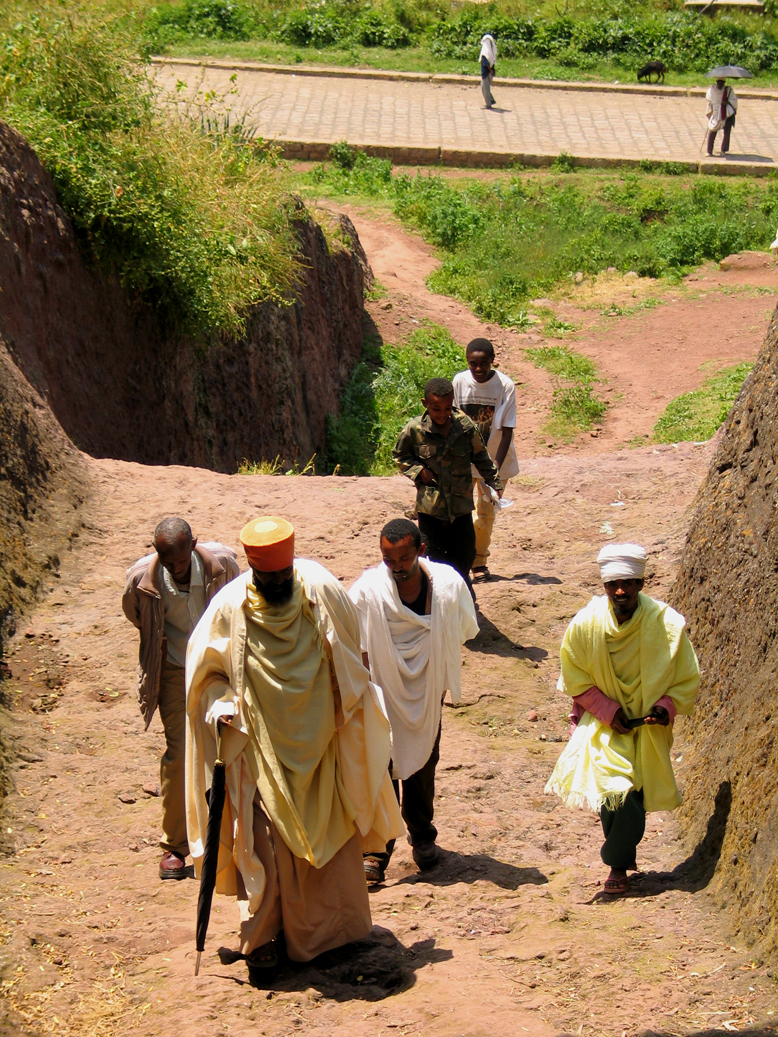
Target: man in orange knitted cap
[(276, 660)]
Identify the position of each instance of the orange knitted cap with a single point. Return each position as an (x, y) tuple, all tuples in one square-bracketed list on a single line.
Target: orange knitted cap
[(269, 543)]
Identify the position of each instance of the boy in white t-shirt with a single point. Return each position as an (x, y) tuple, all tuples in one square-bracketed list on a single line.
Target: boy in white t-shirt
[(488, 398)]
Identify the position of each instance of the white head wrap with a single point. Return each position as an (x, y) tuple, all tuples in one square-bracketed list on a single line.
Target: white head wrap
[(488, 49), (622, 562)]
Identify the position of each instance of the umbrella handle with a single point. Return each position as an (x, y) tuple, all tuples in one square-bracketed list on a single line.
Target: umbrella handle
[(219, 741)]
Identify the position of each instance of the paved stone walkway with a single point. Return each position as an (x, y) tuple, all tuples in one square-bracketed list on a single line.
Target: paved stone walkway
[(429, 119)]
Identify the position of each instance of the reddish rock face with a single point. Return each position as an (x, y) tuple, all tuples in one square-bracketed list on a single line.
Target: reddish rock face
[(728, 590), (122, 388)]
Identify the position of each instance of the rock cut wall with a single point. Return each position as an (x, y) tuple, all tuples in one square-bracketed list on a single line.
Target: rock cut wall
[(120, 388), (728, 589)]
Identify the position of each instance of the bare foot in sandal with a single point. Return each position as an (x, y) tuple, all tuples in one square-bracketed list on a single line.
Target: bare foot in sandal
[(264, 957), (617, 883)]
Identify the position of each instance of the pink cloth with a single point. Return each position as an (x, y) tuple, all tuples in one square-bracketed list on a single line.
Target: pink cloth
[(604, 709)]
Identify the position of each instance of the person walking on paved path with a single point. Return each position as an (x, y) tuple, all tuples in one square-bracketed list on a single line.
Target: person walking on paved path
[(488, 397), (414, 615), (165, 596), (721, 111), (488, 59), (630, 668), (276, 659), (436, 451)]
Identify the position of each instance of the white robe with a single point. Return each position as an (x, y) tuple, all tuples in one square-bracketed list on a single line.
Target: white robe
[(715, 97), (414, 659)]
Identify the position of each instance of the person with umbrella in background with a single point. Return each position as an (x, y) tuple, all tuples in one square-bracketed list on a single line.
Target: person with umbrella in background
[(722, 104), (305, 742)]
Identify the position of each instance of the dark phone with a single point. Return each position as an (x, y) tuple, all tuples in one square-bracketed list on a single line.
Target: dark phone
[(658, 713)]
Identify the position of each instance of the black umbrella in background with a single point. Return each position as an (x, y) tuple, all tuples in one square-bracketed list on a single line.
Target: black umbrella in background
[(211, 855)]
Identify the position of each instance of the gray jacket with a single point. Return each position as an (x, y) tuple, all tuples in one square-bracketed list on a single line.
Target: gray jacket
[(142, 605)]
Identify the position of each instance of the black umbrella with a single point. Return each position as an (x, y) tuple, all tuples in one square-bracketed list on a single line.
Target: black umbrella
[(729, 72), (211, 855)]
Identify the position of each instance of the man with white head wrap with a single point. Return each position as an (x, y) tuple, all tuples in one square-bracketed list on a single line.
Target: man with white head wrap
[(488, 58), (629, 667)]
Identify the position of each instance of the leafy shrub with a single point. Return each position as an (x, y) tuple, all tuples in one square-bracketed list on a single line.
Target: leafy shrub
[(191, 223), (504, 243), (682, 40), (198, 19)]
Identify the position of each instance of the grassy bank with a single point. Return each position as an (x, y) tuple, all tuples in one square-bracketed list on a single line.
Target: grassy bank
[(184, 208), (507, 240), (575, 406), (606, 40), (698, 415)]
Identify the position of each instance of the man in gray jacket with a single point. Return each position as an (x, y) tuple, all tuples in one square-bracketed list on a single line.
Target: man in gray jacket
[(165, 596)]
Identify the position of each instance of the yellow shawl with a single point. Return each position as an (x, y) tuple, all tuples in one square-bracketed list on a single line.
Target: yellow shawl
[(308, 730), (634, 664)]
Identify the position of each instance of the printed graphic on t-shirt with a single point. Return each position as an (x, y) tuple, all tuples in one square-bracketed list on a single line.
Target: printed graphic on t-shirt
[(483, 416)]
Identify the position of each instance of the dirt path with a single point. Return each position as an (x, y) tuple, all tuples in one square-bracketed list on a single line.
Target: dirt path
[(664, 342), (509, 934)]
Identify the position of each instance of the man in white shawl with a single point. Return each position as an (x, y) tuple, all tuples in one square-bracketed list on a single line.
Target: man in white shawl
[(488, 59), (629, 667), (414, 616), (275, 660), (721, 111)]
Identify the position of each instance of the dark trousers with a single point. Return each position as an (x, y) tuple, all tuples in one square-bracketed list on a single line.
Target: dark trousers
[(728, 124), (417, 805), (450, 542), (623, 829)]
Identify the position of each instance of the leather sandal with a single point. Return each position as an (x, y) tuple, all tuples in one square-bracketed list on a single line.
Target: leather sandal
[(481, 574), (616, 887), (264, 957), (374, 873)]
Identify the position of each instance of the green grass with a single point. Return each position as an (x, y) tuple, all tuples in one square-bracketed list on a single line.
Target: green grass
[(699, 414), (574, 407), (183, 208), (384, 393), (590, 39), (512, 238)]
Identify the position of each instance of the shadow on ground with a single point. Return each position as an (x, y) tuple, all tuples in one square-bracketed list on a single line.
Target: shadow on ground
[(367, 970), (473, 867), (767, 1030), (490, 640), (534, 579), (696, 871)]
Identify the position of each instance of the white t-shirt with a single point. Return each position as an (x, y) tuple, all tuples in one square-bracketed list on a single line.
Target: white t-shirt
[(492, 406)]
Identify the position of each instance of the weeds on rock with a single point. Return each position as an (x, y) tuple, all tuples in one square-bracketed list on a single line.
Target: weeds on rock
[(183, 208)]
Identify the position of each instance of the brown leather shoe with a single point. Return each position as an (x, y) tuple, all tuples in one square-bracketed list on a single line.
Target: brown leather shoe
[(173, 866)]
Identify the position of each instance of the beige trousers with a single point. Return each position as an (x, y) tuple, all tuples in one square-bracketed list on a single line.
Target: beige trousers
[(317, 908), (172, 713), (483, 523)]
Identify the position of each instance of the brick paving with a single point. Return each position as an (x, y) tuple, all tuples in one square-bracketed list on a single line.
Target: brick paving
[(427, 119)]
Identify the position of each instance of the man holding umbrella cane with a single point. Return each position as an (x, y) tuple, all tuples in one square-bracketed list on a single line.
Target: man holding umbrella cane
[(722, 104), (305, 744)]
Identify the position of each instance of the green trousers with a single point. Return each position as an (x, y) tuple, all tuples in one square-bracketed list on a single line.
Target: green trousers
[(623, 829)]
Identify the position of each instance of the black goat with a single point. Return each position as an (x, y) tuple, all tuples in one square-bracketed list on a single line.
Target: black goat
[(653, 67)]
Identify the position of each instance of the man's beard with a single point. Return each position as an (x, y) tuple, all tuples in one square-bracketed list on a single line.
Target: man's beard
[(275, 593)]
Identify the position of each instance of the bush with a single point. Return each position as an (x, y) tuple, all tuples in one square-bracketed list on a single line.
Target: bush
[(192, 223)]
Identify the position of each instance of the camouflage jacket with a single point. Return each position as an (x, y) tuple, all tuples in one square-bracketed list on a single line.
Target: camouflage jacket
[(420, 445)]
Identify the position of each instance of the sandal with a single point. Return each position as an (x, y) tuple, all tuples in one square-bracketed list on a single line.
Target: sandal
[(616, 887), (374, 873), (481, 574), (264, 957)]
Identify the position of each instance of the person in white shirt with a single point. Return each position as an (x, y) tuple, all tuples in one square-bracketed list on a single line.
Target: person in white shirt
[(414, 615), (721, 110), (488, 397)]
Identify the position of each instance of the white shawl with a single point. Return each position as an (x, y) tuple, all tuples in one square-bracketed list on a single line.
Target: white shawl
[(414, 659), (488, 49)]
